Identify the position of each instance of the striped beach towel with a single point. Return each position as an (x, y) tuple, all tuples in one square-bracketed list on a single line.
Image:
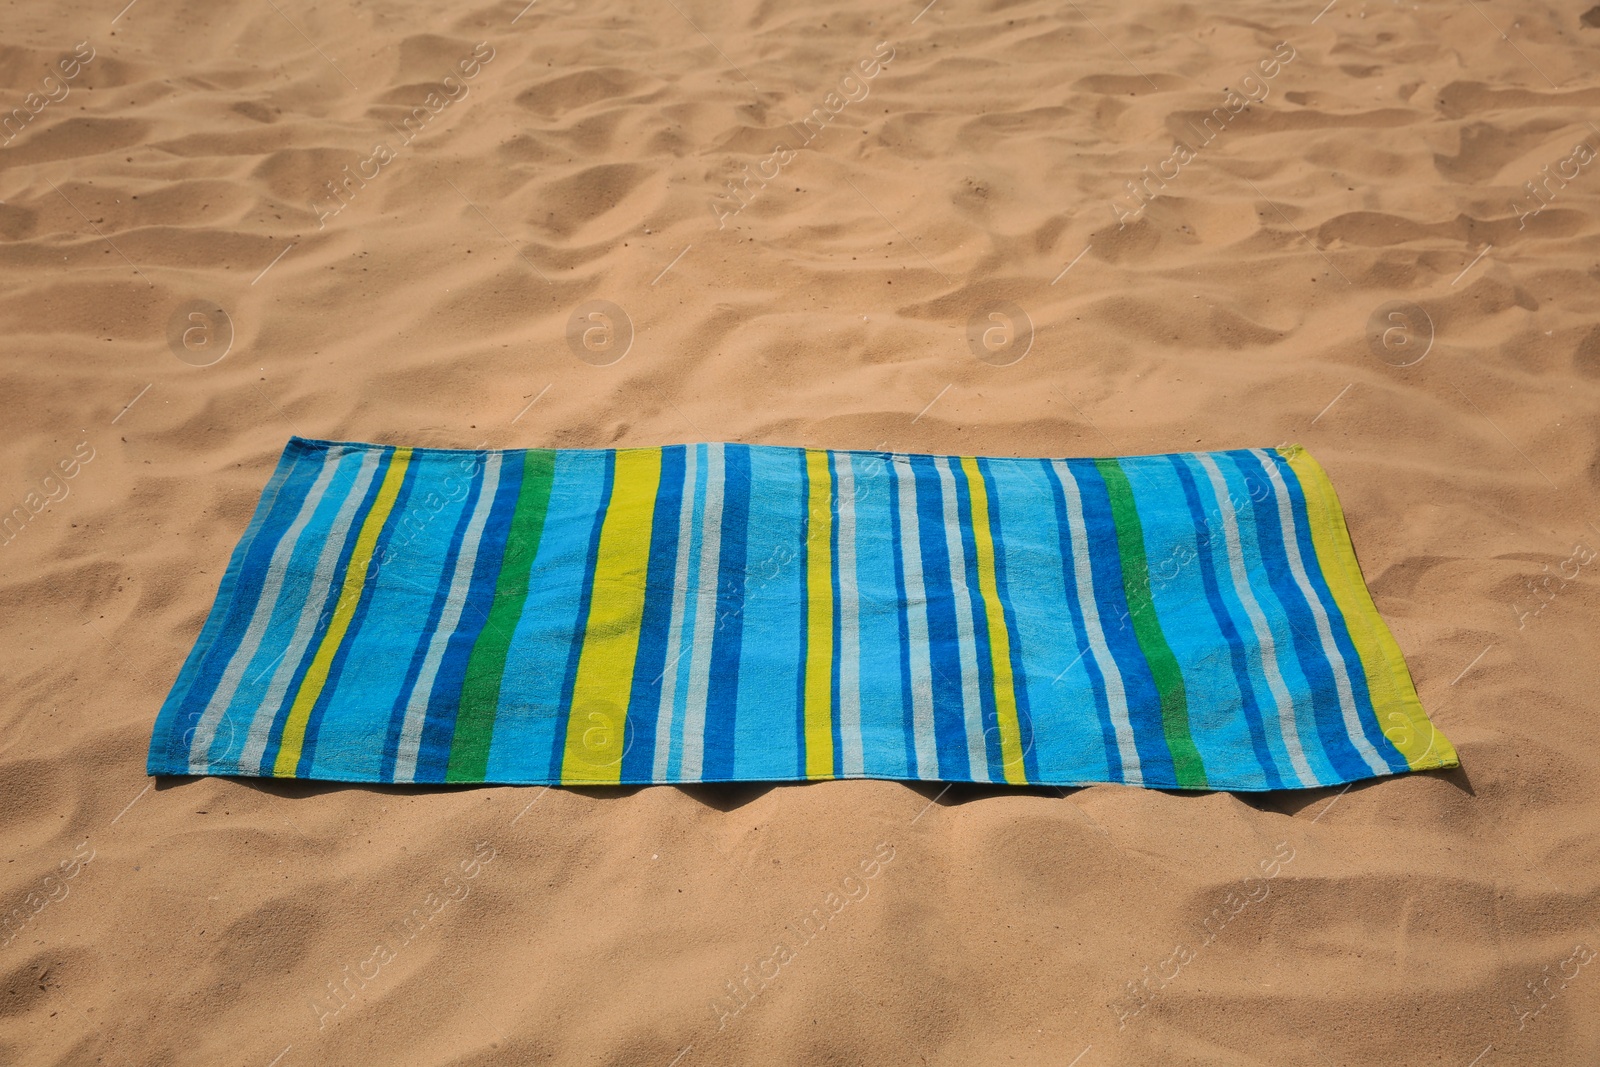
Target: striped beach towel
[(720, 612)]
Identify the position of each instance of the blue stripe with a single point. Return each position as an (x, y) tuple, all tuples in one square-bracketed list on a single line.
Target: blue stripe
[(644, 697), (944, 642), (907, 707), (888, 748), (1138, 684), (722, 697), (1231, 636)]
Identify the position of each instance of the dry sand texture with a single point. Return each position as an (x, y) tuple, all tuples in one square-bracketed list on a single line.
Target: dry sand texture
[(231, 222)]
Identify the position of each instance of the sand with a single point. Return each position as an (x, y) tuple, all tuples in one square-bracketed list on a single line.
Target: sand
[(967, 160)]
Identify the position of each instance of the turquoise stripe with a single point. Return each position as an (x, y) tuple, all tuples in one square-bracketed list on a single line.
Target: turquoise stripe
[(885, 709), (769, 669), (1065, 701)]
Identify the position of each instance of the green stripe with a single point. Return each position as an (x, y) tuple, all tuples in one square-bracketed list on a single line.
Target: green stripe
[(1147, 628), (480, 690)]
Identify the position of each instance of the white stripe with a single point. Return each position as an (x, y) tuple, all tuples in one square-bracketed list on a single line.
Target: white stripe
[(705, 619), (1330, 648), (205, 730), (680, 593), (852, 759), (405, 760), (1116, 696), (926, 747), (686, 650), (1268, 652), (967, 640), (320, 585)]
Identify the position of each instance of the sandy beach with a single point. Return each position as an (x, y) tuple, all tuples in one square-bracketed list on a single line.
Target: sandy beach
[(1016, 229)]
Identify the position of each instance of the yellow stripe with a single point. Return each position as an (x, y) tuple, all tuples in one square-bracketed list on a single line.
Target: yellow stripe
[(597, 726), (1394, 698), (355, 576), (1005, 693), (819, 618)]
